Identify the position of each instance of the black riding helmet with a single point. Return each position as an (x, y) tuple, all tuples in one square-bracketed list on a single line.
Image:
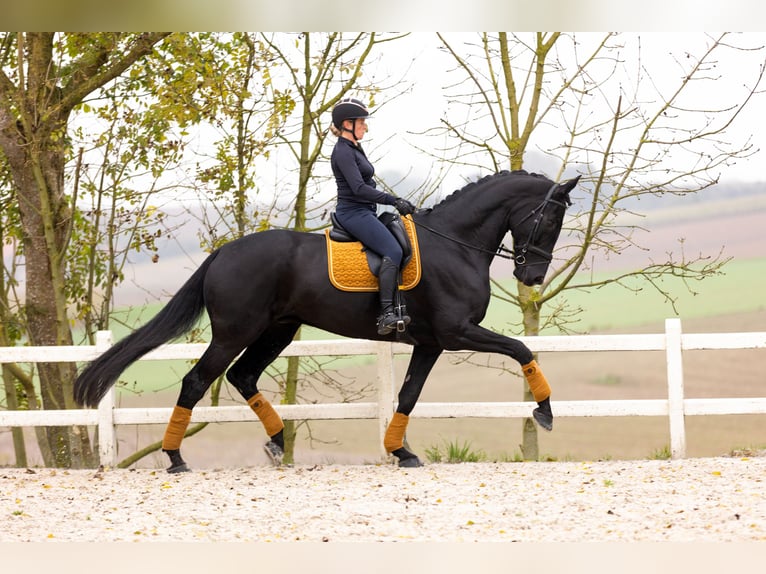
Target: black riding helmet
[(348, 109)]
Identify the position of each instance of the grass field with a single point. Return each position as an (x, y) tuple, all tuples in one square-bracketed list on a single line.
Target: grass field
[(739, 289)]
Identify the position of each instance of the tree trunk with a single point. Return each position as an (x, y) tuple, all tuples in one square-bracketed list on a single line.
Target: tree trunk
[(293, 363), (45, 219), (530, 309), (290, 398), (19, 448)]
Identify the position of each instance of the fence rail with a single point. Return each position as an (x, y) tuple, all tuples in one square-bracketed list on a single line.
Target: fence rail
[(673, 342)]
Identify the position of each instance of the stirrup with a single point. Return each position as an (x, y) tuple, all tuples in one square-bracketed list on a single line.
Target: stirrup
[(387, 323), (391, 321), (404, 318)]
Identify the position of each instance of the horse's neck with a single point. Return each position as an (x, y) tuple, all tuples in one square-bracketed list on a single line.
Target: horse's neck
[(479, 218)]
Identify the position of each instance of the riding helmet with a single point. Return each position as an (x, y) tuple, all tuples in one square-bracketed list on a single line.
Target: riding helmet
[(348, 109)]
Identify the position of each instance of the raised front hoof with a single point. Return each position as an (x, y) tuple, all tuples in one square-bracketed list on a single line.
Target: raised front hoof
[(178, 468), (406, 458), (545, 420), (275, 452)]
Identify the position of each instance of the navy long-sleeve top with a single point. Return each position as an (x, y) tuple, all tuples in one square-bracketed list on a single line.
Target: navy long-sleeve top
[(353, 175)]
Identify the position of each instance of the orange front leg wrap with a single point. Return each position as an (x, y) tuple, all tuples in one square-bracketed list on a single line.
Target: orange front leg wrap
[(537, 382), (174, 433), (271, 420), (394, 438)]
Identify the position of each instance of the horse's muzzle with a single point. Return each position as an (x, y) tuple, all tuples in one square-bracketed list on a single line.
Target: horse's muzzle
[(530, 275)]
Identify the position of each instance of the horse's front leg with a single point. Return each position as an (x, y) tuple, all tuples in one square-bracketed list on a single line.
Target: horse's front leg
[(475, 338), (421, 363)]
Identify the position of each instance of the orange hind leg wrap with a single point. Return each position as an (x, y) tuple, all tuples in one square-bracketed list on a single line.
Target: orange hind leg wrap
[(394, 438), (271, 420), (537, 382), (174, 433)]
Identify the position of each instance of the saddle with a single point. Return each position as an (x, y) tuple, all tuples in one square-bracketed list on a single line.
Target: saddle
[(353, 267)]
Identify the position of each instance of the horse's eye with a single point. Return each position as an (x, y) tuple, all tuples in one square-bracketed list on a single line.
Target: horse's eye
[(549, 224)]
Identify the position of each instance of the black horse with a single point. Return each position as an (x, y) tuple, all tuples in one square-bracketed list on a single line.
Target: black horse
[(259, 289)]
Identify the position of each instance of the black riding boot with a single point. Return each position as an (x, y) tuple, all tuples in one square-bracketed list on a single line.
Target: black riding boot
[(390, 318)]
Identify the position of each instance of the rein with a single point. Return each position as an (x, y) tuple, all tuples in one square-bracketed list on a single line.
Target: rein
[(502, 251)]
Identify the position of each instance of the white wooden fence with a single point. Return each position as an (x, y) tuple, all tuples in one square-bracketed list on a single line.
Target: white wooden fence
[(106, 417)]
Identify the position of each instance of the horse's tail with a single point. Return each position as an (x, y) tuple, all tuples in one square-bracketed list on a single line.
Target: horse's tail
[(174, 319)]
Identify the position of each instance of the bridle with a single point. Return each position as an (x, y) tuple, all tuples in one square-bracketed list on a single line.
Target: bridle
[(518, 255)]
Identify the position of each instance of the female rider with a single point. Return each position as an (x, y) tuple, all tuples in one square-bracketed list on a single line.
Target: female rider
[(357, 204)]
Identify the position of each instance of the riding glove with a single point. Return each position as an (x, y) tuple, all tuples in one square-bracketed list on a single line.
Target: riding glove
[(403, 206)]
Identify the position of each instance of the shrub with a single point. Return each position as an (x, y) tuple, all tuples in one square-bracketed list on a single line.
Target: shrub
[(454, 452)]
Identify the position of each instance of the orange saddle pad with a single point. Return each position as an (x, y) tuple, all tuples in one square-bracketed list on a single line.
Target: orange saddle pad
[(349, 271)]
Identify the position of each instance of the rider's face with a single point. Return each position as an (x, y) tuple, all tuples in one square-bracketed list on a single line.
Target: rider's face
[(358, 126)]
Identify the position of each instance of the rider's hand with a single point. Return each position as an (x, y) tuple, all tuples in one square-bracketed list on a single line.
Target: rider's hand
[(403, 206)]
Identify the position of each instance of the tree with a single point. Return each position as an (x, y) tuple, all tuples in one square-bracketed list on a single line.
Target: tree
[(630, 135), (43, 78), (140, 128), (107, 174)]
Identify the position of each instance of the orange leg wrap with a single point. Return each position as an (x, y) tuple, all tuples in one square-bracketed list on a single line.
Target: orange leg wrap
[(177, 425), (272, 422), (537, 382), (394, 438)]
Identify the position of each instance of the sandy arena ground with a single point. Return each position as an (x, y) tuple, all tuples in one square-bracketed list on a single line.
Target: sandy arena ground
[(707, 499)]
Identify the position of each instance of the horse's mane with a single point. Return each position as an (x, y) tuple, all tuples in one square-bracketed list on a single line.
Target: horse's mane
[(470, 186)]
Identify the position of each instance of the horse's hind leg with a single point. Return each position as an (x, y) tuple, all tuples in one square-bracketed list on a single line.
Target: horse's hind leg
[(421, 363), (196, 382), (244, 375)]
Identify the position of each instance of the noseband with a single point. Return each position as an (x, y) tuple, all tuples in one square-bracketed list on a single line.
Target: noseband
[(520, 254)]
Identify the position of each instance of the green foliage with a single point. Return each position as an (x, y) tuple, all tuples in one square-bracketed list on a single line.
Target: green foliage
[(454, 452), (661, 453)]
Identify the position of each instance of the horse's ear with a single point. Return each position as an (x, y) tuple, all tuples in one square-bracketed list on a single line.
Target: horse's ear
[(562, 193)]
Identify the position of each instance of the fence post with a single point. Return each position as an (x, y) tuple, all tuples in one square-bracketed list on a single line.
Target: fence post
[(107, 436), (674, 355), (385, 392)]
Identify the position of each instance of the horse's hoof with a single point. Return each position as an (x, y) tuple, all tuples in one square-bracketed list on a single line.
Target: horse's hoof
[(275, 452), (545, 420), (177, 464), (412, 462), (406, 458), (178, 468)]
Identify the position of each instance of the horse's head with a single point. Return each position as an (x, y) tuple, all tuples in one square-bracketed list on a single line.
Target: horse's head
[(535, 233)]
